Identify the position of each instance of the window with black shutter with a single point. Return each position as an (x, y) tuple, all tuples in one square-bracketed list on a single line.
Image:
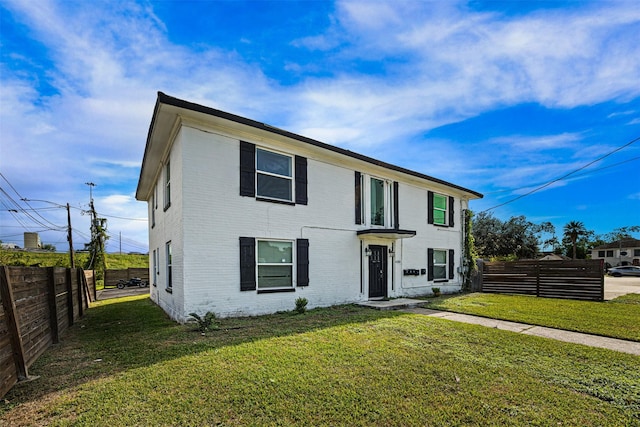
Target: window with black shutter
[(396, 208), (440, 209), (247, 169), (439, 264), (302, 262), (272, 177), (358, 197), (301, 180), (247, 263)]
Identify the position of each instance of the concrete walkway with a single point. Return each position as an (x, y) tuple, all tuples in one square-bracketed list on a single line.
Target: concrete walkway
[(416, 307)]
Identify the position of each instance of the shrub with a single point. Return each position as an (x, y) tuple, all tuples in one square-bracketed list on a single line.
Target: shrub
[(436, 291), (301, 305), (205, 323)]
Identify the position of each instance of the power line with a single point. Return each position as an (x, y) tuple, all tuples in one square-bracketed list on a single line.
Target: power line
[(563, 176), (574, 176)]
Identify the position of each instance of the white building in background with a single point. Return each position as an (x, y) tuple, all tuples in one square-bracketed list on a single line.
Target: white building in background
[(245, 218), (622, 252)]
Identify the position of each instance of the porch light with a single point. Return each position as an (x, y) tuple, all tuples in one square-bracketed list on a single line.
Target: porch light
[(392, 251), (367, 251)]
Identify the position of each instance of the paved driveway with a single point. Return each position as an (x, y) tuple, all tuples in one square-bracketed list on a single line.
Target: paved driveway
[(117, 293), (617, 286)]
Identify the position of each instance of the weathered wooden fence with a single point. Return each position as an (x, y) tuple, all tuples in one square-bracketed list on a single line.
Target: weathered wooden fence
[(111, 277), (37, 306), (574, 279)]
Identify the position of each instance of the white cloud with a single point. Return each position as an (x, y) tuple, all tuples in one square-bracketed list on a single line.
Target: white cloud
[(443, 63)]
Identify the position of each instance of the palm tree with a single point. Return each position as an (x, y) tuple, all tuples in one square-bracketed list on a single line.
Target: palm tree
[(572, 231)]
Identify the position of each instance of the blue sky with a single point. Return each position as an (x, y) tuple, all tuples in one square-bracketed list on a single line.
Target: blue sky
[(499, 97)]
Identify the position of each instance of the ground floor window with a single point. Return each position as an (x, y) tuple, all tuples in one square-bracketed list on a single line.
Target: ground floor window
[(275, 264), (440, 263)]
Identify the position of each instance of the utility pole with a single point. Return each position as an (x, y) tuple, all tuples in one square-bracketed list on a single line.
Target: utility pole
[(70, 238)]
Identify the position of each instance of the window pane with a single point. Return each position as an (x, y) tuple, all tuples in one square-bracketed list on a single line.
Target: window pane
[(273, 162), (274, 276), (439, 201), (274, 187), (438, 217), (439, 272), (274, 252), (377, 202), (439, 257)]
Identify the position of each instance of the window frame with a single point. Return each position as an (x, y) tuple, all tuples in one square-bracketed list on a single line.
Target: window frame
[(636, 252), (169, 266), (154, 205), (167, 185), (602, 254), (387, 198), (445, 265), (444, 211), (155, 268), (291, 264), (291, 178), (609, 253)]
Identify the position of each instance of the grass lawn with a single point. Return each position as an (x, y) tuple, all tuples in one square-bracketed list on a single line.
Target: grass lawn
[(126, 364), (618, 318)]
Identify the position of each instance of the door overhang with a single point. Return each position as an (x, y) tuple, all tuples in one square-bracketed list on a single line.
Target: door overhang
[(386, 233)]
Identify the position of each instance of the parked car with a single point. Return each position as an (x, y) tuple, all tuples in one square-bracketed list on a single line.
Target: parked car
[(625, 270)]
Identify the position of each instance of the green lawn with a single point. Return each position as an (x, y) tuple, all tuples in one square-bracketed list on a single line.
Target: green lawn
[(125, 363), (619, 318)]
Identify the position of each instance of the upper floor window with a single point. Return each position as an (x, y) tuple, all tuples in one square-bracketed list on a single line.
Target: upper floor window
[(601, 254), (274, 175), (153, 208), (610, 253), (167, 185), (376, 201), (271, 176), (440, 209)]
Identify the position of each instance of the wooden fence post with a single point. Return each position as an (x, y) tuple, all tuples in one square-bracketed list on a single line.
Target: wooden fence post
[(537, 278), (67, 278), (80, 291), (53, 307), (12, 324)]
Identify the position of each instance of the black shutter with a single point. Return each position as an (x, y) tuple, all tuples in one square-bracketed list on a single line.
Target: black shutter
[(302, 262), (451, 264), (396, 210), (358, 198), (429, 264), (247, 169), (301, 180), (247, 264), (451, 216), (430, 207)]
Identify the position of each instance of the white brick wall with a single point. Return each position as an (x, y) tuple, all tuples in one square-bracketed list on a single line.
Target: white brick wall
[(207, 216)]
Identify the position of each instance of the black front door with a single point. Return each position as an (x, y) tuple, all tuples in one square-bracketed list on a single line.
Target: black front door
[(378, 271)]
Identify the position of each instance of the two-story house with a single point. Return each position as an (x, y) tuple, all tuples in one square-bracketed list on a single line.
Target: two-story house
[(621, 252), (244, 218)]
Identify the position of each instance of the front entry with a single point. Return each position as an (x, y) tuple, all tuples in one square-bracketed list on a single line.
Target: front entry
[(377, 271)]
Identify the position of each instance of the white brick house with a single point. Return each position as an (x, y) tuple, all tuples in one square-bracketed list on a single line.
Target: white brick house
[(245, 218)]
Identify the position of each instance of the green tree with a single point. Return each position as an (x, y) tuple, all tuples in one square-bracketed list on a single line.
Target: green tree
[(621, 233), (576, 237), (515, 238)]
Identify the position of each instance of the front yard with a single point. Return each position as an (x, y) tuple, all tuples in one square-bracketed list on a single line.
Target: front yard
[(618, 318), (126, 364)]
